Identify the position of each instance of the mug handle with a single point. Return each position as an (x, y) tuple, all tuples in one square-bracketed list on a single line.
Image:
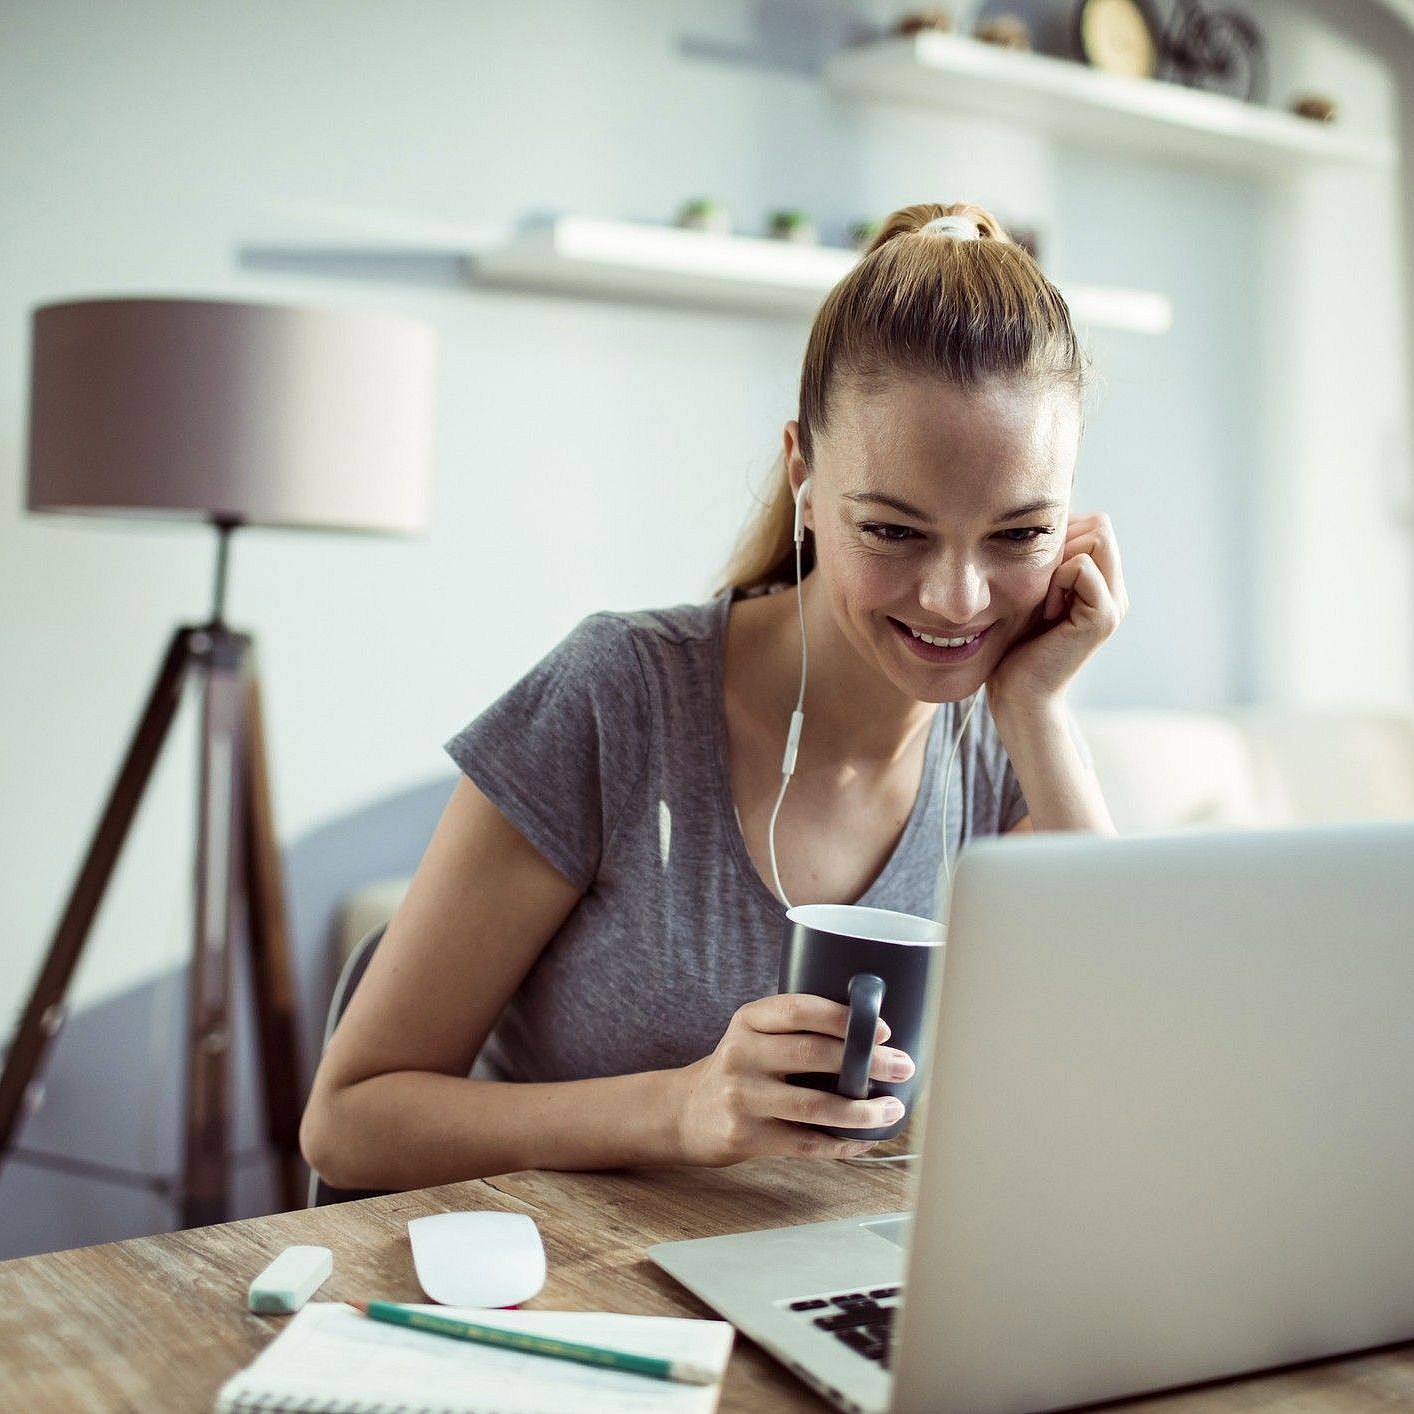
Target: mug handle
[(866, 996)]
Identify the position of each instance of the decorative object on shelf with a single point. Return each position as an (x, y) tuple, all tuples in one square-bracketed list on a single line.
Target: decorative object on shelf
[(861, 233), (1117, 37), (704, 214), (794, 226), (1006, 32), (1072, 103), (230, 414), (1220, 51), (1314, 106), (934, 17), (1217, 50)]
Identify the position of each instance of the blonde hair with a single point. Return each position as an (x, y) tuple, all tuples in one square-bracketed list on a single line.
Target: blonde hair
[(916, 303)]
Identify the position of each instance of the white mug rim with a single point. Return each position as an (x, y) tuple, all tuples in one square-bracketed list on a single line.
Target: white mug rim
[(852, 920)]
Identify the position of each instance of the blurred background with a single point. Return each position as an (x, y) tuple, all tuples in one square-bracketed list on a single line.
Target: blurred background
[(598, 451)]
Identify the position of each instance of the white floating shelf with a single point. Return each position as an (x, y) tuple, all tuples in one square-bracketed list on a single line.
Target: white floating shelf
[(1105, 111), (578, 255)]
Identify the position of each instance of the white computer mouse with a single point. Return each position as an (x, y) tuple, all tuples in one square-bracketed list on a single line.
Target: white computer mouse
[(478, 1259)]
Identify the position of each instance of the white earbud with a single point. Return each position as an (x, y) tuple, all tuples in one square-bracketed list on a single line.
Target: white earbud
[(800, 510)]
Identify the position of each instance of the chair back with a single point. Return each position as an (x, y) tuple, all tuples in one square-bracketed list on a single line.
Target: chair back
[(321, 1193)]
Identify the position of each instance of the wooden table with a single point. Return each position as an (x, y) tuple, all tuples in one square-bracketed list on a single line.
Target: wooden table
[(157, 1323)]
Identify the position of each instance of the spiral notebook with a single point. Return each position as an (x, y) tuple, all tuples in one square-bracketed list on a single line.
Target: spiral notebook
[(329, 1357)]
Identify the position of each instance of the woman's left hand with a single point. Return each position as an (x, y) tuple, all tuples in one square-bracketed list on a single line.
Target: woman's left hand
[(1084, 605)]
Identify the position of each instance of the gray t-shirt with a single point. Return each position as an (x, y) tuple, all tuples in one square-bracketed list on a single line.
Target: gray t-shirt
[(610, 757)]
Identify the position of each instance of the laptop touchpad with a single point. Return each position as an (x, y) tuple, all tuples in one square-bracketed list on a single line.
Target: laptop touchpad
[(895, 1230)]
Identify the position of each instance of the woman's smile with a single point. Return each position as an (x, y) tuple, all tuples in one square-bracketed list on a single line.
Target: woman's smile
[(942, 653)]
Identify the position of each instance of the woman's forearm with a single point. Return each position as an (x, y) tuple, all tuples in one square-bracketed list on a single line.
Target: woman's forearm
[(416, 1129), (1061, 791)]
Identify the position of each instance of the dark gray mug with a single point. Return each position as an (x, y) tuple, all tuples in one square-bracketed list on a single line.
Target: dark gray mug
[(875, 962)]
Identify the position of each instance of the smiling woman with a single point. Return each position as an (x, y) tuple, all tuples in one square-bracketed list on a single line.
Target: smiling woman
[(612, 985), (982, 479)]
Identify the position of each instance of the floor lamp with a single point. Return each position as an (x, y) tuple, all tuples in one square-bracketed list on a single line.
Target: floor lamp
[(233, 414)]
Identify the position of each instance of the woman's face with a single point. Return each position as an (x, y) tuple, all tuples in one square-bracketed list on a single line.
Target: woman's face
[(942, 511)]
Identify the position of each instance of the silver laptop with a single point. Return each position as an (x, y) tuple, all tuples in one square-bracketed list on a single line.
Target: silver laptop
[(1169, 1135)]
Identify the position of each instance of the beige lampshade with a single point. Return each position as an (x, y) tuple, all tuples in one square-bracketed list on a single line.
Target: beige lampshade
[(259, 414)]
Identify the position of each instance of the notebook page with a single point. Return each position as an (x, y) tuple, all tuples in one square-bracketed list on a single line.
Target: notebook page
[(335, 1358)]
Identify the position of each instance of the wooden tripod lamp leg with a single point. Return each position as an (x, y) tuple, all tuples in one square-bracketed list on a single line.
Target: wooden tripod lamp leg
[(43, 1014), (237, 857), (272, 985), (220, 862)]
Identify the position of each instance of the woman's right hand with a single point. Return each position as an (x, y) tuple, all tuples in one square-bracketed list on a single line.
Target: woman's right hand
[(736, 1104)]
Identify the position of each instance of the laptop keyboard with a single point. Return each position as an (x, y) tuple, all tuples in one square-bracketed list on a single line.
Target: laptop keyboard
[(862, 1320)]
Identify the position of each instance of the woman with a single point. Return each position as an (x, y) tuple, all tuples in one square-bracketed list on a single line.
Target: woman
[(592, 923)]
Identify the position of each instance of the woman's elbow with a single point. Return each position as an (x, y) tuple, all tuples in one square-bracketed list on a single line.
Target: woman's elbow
[(320, 1141)]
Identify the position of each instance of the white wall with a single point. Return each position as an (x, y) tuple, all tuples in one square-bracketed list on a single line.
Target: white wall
[(598, 455), (1337, 488)]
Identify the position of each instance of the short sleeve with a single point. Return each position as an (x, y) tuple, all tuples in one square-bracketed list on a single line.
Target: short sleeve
[(560, 752), (1012, 808)]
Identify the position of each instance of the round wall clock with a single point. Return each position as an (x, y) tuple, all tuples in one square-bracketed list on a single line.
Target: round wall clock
[(1118, 36)]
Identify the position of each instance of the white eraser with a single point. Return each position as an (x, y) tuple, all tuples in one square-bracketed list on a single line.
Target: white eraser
[(291, 1279)]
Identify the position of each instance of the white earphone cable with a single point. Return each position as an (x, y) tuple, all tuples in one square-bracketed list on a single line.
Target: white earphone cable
[(797, 720)]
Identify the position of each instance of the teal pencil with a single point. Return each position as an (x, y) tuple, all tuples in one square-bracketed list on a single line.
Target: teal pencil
[(684, 1371)]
